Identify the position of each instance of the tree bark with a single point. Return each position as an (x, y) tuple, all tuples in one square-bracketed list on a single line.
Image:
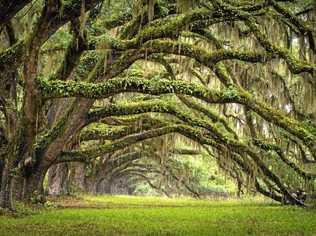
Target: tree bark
[(33, 190), (1, 171), (58, 181), (6, 187), (17, 188), (77, 177), (104, 186), (91, 185)]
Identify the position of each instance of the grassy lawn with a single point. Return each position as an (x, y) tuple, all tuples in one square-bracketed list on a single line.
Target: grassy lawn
[(121, 215)]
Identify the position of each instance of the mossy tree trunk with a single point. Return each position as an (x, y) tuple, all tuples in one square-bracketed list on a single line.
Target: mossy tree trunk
[(33, 190), (58, 180), (6, 187)]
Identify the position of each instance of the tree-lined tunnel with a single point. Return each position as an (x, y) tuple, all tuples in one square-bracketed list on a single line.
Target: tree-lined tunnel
[(104, 96)]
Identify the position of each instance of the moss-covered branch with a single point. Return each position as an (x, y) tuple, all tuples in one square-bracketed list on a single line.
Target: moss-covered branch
[(59, 89), (296, 66), (272, 147), (303, 28), (192, 133), (119, 144), (71, 9), (54, 89), (169, 108), (111, 133), (155, 106)]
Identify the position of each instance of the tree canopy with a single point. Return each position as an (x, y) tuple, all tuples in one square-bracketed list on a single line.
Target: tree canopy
[(101, 82)]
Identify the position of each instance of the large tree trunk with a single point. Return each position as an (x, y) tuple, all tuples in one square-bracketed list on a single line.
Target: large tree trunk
[(58, 181), (77, 177), (119, 186), (104, 186), (91, 185), (33, 186), (6, 187), (1, 171), (17, 188)]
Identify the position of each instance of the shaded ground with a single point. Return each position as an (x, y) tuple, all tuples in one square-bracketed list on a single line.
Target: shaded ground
[(121, 215)]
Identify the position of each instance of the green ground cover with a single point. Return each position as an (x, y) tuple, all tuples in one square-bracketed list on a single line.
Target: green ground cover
[(122, 215)]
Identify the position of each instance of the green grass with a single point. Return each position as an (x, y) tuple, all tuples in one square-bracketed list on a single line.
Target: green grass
[(121, 215)]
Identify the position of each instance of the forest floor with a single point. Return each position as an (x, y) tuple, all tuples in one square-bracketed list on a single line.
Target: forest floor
[(123, 215)]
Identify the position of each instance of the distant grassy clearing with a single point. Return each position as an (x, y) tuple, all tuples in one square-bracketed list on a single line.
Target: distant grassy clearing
[(121, 215)]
